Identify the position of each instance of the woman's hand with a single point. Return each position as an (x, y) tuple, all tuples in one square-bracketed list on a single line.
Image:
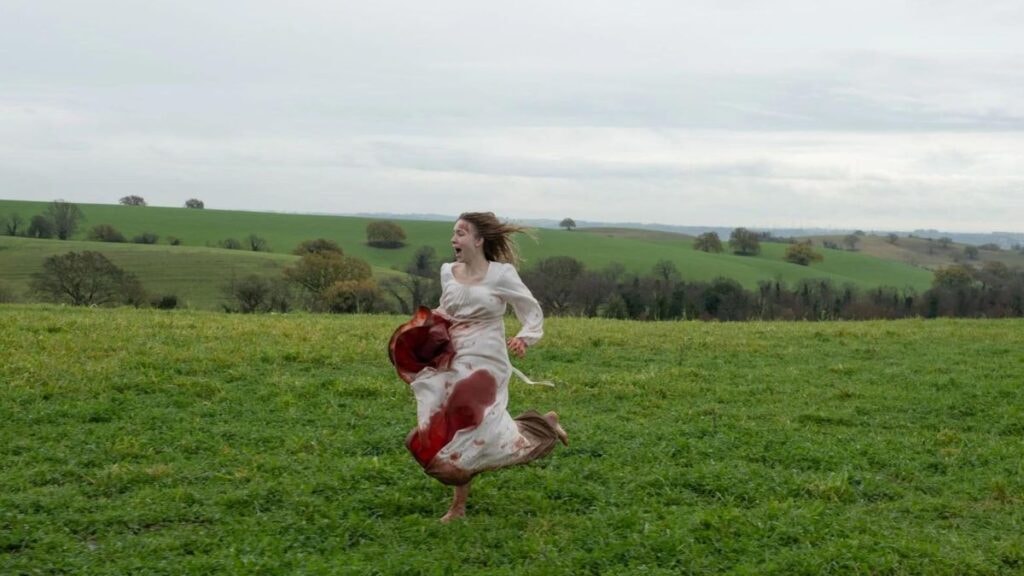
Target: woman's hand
[(517, 346)]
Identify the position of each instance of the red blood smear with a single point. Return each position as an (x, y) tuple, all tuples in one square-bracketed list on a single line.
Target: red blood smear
[(464, 409), (422, 341)]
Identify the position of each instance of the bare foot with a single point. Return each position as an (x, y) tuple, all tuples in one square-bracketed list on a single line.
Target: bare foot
[(453, 514), (458, 507), (552, 418)]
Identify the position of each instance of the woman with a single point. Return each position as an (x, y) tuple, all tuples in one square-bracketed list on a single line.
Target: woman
[(455, 359)]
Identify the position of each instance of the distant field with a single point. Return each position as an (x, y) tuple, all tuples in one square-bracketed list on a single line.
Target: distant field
[(140, 441), (637, 251), (926, 253)]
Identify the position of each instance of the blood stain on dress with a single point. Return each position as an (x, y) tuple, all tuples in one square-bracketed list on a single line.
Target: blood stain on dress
[(464, 408)]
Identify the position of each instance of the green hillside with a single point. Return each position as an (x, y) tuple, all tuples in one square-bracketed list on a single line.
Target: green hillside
[(185, 269)]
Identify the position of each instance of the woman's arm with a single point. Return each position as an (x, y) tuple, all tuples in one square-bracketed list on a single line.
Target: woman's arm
[(527, 310)]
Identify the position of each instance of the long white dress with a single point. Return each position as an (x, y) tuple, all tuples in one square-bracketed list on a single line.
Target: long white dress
[(462, 409)]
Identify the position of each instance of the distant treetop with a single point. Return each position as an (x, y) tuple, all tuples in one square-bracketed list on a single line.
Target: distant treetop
[(194, 203), (133, 200)]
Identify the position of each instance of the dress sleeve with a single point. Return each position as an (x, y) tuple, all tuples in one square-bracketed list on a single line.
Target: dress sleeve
[(512, 290)]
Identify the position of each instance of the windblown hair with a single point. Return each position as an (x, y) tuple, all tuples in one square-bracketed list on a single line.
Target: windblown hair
[(499, 246)]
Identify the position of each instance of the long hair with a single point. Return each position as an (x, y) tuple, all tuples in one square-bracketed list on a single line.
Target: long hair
[(499, 246)]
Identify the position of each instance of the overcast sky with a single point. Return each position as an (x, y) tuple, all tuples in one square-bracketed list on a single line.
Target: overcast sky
[(870, 114)]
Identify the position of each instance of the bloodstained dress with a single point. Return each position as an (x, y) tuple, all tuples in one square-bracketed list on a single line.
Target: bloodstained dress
[(456, 362)]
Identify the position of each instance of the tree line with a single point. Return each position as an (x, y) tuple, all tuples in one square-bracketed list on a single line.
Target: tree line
[(564, 286)]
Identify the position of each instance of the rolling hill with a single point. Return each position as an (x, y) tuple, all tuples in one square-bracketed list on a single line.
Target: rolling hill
[(196, 270)]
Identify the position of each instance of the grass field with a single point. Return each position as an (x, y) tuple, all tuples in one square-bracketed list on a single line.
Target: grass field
[(638, 252), (148, 442)]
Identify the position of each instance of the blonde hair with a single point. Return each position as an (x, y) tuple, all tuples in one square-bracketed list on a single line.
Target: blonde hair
[(499, 246)]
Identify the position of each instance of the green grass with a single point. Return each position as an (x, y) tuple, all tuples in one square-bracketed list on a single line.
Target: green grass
[(638, 252), (191, 442)]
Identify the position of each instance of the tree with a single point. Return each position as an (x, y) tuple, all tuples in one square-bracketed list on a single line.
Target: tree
[(318, 246), (195, 203), (708, 242), (971, 252), (955, 276), (316, 273), (105, 233), (744, 242), (802, 253), (553, 282), (85, 279), (419, 285), (385, 234), (65, 217), (146, 238), (13, 224), (851, 241), (40, 227), (892, 238), (567, 223), (230, 244), (132, 200)]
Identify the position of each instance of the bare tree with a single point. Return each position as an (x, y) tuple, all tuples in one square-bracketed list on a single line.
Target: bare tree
[(85, 279), (419, 285), (13, 224), (65, 218)]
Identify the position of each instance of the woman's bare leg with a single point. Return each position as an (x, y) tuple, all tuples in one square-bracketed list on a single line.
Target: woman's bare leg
[(552, 418), (458, 507)]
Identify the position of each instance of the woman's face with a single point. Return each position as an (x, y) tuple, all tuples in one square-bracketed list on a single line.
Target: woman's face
[(465, 241)]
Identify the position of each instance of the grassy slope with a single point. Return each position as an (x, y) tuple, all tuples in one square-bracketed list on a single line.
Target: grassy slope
[(194, 274), (188, 442), (637, 252), (924, 253)]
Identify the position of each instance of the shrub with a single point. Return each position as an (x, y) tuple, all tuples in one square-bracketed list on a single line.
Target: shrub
[(146, 238), (6, 294), (230, 244), (105, 233), (257, 244), (165, 302), (254, 293), (318, 246), (174, 241)]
